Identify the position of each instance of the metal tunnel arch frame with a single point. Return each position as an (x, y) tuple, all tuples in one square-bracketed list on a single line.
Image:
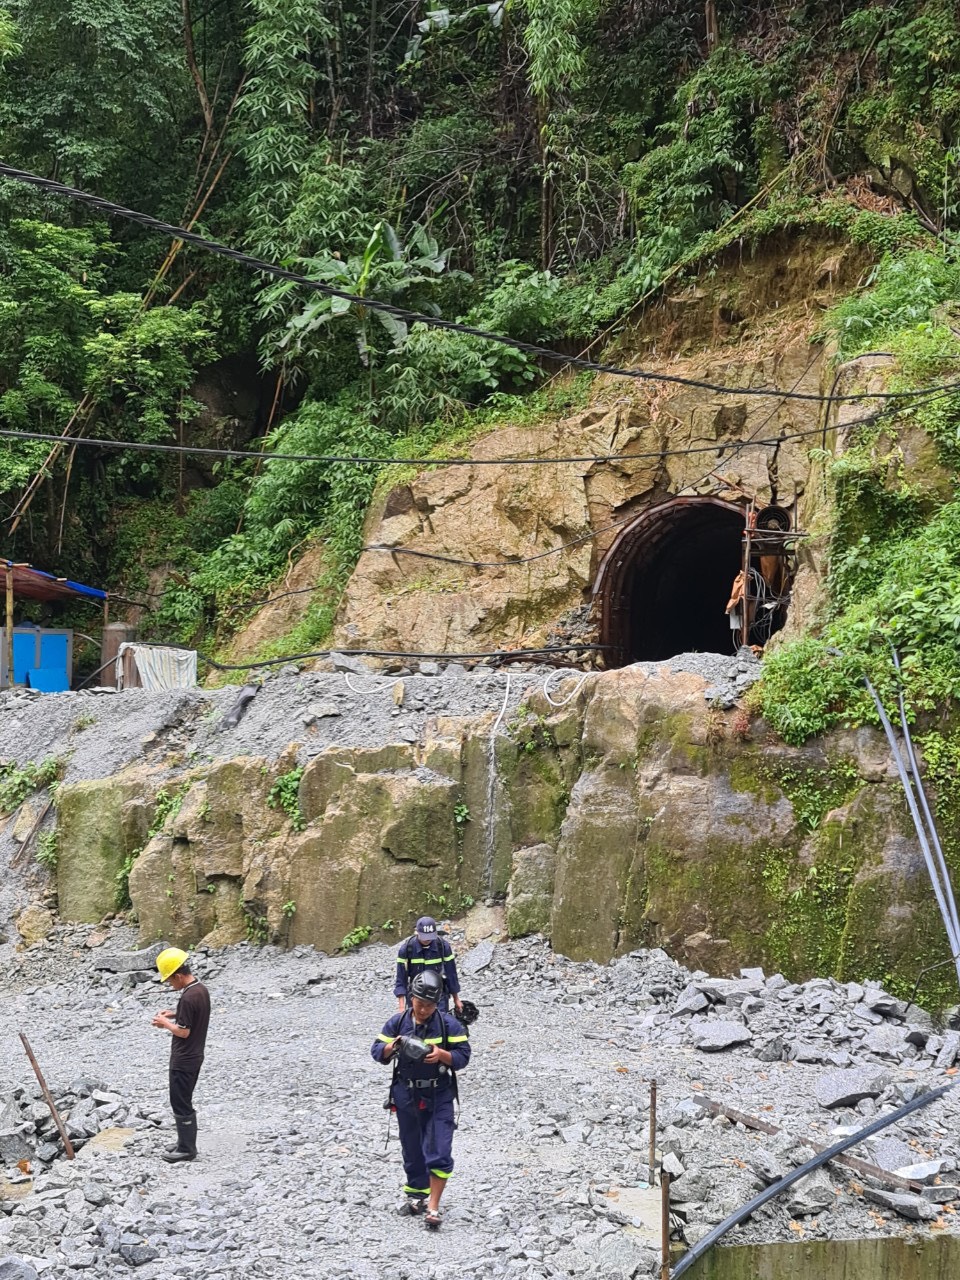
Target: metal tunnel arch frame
[(638, 540)]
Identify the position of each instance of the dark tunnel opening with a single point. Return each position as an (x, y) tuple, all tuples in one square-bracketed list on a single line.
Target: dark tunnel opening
[(664, 584)]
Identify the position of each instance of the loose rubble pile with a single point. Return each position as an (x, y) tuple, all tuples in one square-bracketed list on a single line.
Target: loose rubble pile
[(29, 1133), (728, 677), (294, 1178)]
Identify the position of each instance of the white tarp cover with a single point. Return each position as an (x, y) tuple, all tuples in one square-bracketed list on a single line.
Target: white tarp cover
[(160, 668)]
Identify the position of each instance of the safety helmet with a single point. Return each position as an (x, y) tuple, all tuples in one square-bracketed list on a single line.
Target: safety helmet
[(169, 961), (468, 1013), (427, 986)]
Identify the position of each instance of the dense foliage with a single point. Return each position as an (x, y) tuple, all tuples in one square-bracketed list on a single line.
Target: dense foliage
[(894, 563), (535, 166)]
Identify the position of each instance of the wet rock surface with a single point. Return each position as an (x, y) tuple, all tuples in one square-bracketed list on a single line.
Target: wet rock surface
[(293, 1177)]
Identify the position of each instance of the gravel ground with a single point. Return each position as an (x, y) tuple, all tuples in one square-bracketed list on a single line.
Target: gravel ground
[(294, 1179), (100, 732)]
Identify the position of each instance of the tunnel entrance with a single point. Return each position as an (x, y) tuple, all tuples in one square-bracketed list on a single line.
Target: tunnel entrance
[(664, 584)]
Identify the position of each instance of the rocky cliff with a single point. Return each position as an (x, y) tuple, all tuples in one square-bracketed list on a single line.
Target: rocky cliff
[(749, 325), (635, 812)]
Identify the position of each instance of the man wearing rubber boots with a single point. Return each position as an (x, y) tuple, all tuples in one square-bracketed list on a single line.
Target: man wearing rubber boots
[(426, 1047), (187, 1025)]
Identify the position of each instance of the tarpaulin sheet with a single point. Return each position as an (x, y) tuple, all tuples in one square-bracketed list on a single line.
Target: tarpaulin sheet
[(34, 584), (160, 668)]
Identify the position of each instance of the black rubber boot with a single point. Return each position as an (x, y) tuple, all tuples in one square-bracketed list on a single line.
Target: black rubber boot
[(186, 1148)]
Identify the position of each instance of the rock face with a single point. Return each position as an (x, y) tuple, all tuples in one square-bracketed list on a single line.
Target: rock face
[(34, 923), (102, 822), (495, 514), (635, 813)]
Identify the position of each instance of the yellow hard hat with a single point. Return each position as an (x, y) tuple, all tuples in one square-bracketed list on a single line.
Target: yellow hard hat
[(169, 961)]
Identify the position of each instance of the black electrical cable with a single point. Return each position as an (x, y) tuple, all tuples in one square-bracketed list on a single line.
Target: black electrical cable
[(563, 546), (802, 1171), (616, 524), (139, 446), (499, 655), (373, 304)]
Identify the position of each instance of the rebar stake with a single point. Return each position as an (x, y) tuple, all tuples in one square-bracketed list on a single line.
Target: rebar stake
[(67, 1144)]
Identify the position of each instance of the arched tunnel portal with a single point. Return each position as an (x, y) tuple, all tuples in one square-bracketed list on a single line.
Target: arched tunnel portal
[(663, 586)]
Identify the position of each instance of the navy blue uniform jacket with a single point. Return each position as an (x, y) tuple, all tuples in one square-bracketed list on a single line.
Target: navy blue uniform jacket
[(403, 1024), (412, 958)]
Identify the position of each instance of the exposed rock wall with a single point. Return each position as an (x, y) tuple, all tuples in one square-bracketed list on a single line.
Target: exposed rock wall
[(636, 814), (750, 327)]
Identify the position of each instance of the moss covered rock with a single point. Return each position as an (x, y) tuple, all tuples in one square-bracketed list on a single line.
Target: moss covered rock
[(531, 889), (100, 824)]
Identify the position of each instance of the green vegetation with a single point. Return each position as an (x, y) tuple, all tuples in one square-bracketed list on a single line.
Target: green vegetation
[(356, 937), (256, 925), (530, 731), (536, 168), (17, 783), (48, 849), (813, 791), (895, 544), (166, 805), (285, 795)]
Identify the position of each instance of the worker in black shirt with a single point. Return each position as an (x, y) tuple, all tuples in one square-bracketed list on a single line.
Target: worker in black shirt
[(187, 1025)]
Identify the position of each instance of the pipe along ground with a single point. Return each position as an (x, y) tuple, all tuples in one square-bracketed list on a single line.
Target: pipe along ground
[(771, 1192)]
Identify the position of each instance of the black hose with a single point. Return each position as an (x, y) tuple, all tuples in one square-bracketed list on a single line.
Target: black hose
[(749, 1209)]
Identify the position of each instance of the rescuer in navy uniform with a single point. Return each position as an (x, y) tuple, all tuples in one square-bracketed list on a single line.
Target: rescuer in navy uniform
[(427, 1047), (422, 952)]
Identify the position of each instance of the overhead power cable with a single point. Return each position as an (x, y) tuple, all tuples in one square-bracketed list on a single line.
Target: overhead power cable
[(509, 562), (140, 446), (541, 460), (412, 317), (497, 655)]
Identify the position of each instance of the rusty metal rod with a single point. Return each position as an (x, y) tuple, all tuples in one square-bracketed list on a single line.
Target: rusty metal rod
[(664, 1226), (21, 853), (851, 1162), (67, 1144), (652, 1162)]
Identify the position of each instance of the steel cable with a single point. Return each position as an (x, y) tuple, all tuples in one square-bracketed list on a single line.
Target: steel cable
[(373, 304)]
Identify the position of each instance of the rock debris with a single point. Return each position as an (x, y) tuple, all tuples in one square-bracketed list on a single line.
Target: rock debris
[(294, 1178)]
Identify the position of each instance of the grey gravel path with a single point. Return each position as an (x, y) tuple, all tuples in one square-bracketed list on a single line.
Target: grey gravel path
[(293, 1177)]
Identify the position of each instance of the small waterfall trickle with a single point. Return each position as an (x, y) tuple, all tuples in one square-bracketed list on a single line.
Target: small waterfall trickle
[(494, 799)]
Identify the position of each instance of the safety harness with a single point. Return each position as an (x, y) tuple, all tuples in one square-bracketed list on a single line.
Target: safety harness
[(403, 953), (390, 1106)]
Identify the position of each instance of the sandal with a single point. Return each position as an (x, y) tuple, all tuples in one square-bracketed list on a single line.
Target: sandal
[(432, 1219), (412, 1207)]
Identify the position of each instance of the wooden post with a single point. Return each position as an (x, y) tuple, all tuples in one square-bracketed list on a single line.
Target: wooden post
[(114, 635), (8, 634), (664, 1226), (745, 602), (713, 27), (67, 1144), (652, 1163)]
